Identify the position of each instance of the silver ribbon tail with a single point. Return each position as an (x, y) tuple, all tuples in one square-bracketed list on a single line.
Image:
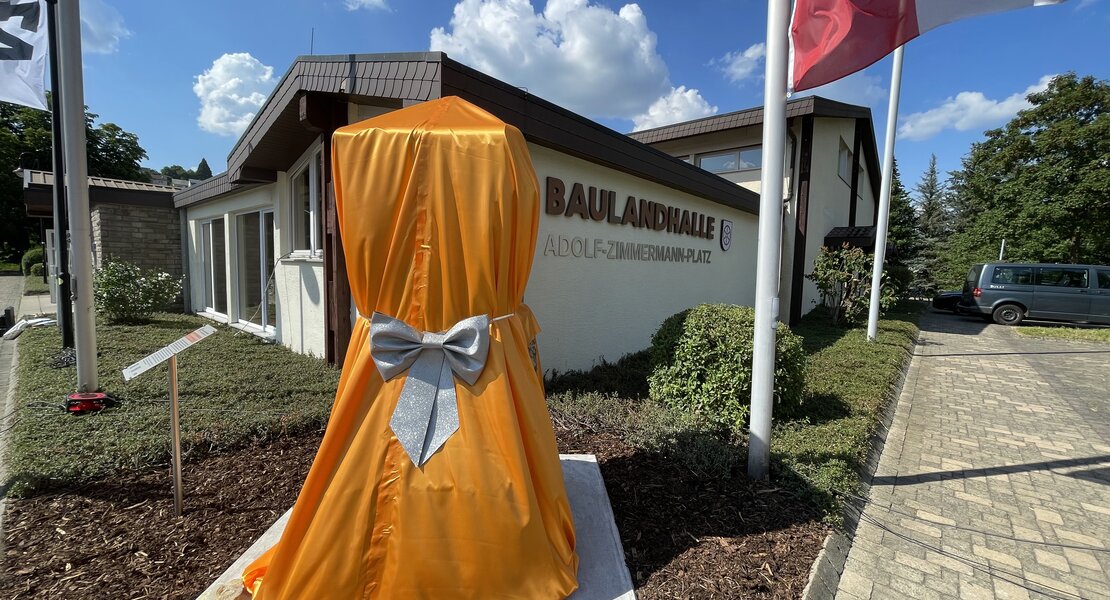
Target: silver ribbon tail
[(427, 411)]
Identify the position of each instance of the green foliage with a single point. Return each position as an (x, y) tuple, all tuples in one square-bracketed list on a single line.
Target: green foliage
[(203, 170), (26, 132), (707, 370), (626, 378), (31, 257), (126, 293), (903, 236), (235, 390), (37, 270), (1041, 182), (34, 286), (843, 276)]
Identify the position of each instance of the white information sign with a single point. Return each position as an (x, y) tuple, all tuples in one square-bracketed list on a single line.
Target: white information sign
[(164, 354)]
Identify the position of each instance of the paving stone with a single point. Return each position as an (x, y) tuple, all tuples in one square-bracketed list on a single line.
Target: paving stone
[(979, 461)]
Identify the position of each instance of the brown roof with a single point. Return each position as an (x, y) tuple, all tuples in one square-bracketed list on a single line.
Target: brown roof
[(810, 105), (47, 178), (38, 193), (276, 137)]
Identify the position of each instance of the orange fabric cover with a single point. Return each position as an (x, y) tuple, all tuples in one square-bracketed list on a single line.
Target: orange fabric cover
[(438, 209)]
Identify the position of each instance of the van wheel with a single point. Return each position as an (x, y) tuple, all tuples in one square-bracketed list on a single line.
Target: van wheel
[(1008, 314)]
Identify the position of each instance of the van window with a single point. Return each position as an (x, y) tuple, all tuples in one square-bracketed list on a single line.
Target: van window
[(1103, 279), (1015, 275), (973, 277), (1062, 277)]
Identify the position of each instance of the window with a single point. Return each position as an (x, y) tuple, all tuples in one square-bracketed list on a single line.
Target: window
[(844, 168), (1014, 275), (214, 262), (1062, 277), (742, 159), (307, 217), (255, 261), (1103, 280)]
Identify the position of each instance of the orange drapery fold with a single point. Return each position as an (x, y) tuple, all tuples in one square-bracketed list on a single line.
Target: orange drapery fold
[(438, 211)]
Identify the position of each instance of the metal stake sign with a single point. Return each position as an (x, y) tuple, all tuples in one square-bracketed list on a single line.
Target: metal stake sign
[(170, 353)]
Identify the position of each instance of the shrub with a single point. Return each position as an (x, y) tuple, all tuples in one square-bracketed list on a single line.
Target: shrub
[(843, 276), (31, 257), (705, 364), (126, 293), (37, 269)]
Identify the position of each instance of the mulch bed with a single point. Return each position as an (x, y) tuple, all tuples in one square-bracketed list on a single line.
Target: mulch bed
[(684, 536)]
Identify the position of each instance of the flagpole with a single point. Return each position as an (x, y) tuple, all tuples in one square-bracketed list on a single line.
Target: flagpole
[(770, 239), (884, 197), (77, 192), (61, 225)]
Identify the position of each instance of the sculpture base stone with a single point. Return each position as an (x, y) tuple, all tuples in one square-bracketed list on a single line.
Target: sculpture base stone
[(602, 573)]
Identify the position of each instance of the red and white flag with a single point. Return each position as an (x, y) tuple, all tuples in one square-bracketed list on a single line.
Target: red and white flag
[(830, 39)]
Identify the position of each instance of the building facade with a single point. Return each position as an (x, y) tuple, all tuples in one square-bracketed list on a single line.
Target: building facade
[(628, 235)]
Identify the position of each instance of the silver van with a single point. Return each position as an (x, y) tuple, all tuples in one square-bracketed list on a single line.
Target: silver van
[(1010, 292)]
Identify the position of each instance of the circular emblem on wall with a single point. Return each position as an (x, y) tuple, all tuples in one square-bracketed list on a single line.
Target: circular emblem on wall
[(726, 234)]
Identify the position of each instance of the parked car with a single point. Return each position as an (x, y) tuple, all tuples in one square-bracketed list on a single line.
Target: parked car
[(948, 301), (1010, 292)]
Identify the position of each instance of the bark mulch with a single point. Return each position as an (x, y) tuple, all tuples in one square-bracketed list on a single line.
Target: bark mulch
[(684, 536)]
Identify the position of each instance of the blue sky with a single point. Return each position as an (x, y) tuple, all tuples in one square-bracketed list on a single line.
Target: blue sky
[(187, 76)]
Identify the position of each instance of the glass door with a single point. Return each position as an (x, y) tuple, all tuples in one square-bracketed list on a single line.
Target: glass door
[(214, 262), (257, 300)]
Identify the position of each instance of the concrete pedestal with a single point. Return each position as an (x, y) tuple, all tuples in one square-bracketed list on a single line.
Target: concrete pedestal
[(602, 573)]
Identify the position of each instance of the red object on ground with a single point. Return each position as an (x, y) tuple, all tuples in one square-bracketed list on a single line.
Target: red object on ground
[(80, 403)]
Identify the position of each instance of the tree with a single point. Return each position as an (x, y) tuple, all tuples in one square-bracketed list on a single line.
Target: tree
[(178, 172), (25, 140), (932, 212), (902, 229), (203, 170), (1041, 182)]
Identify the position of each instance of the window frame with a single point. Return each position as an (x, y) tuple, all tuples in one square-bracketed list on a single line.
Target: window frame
[(1086, 278), (208, 266), (737, 151), (309, 164), (266, 271), (1014, 272), (841, 164)]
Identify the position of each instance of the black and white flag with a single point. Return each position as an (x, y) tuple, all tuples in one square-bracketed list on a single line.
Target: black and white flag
[(23, 44)]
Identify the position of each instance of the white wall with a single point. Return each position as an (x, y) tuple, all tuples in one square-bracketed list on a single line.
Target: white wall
[(591, 308), (299, 282)]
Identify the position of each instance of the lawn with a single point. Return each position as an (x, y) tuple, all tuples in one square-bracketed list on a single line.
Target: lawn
[(235, 390), (9, 267), (1084, 334), (34, 285)]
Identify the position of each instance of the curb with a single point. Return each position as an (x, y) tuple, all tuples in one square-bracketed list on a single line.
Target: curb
[(824, 575), (7, 410)]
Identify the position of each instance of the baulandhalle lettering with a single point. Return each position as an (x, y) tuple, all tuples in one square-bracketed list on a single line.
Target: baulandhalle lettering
[(591, 203)]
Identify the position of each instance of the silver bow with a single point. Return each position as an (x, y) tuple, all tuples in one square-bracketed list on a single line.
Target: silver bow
[(427, 411)]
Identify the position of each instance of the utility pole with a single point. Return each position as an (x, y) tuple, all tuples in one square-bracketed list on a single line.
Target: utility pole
[(61, 224), (77, 192)]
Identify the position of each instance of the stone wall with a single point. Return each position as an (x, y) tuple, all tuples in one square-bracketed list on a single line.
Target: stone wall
[(147, 236)]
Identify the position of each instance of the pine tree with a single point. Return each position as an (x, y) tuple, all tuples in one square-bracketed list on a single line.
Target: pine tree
[(932, 209), (203, 170)]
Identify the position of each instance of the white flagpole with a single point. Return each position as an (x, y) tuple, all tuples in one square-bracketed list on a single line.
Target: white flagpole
[(770, 238), (884, 197), (77, 192)]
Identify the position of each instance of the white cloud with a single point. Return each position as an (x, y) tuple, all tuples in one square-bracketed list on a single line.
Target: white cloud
[(738, 65), (102, 28), (679, 105), (372, 4), (231, 92), (585, 57), (967, 110)]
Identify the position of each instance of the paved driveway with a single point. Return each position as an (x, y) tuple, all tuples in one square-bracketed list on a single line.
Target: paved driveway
[(995, 478)]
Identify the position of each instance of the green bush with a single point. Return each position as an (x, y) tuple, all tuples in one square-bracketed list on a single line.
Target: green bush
[(37, 269), (31, 257), (127, 294), (704, 365)]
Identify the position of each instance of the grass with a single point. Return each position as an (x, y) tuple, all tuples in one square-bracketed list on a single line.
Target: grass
[(818, 450), (235, 389), (9, 267), (33, 285), (1078, 334), (848, 384)]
